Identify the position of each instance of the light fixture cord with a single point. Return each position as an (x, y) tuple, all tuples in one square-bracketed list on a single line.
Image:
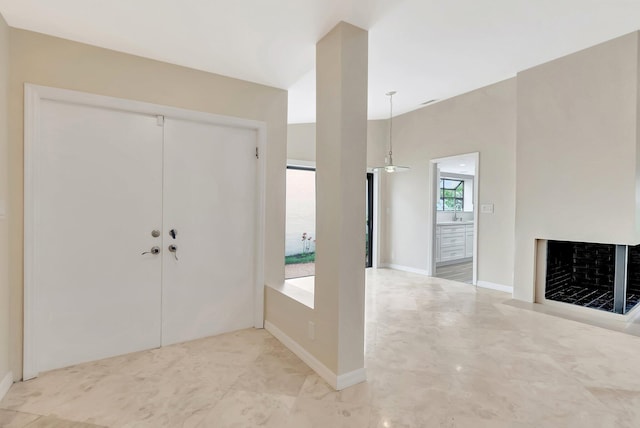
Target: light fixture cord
[(390, 128)]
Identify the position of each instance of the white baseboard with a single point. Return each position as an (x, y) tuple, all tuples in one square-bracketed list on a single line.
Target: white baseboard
[(6, 384), (494, 286), (349, 379), (337, 382), (404, 268)]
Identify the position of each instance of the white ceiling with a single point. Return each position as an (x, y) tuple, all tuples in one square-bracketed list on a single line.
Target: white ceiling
[(463, 164), (424, 49)]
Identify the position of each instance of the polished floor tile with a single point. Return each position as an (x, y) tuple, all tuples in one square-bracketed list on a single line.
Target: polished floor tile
[(11, 419), (439, 353)]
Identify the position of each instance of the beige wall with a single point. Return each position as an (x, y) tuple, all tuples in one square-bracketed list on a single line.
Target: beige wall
[(341, 153), (575, 122), (301, 142), (480, 121), (577, 152), (4, 238), (341, 132), (45, 60), (483, 121), (287, 314)]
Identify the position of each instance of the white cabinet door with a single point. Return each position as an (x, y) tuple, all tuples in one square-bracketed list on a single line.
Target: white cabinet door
[(98, 195), (210, 200), (469, 241)]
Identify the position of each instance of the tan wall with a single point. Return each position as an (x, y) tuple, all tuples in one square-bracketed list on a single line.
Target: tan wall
[(4, 237), (49, 61), (483, 121), (341, 153), (301, 142), (577, 152), (287, 314), (480, 121), (341, 133)]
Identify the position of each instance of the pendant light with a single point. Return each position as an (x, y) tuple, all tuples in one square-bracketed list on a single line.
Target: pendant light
[(388, 161)]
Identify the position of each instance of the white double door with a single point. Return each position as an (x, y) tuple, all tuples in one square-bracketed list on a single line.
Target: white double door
[(106, 180)]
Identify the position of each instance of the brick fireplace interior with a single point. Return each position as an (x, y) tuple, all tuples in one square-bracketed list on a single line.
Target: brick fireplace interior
[(584, 274)]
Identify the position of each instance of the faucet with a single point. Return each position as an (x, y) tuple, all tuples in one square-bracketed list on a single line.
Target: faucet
[(455, 213)]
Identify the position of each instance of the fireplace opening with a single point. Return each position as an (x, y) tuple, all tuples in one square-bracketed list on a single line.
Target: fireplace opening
[(633, 277), (599, 276), (582, 273)]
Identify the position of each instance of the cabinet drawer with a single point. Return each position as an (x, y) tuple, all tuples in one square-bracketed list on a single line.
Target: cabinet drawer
[(452, 240), (452, 253), (447, 230)]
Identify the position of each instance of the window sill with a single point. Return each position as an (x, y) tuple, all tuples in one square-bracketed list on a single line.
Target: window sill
[(298, 289)]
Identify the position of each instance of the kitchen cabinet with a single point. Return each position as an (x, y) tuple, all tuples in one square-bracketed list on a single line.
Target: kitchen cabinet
[(468, 247), (454, 242)]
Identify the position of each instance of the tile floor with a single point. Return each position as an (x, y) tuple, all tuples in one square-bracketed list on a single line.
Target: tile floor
[(439, 354)]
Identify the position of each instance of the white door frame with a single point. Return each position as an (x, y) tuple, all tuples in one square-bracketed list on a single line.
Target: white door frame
[(433, 186), (34, 95)]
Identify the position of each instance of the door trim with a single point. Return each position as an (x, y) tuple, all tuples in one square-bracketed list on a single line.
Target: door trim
[(33, 96)]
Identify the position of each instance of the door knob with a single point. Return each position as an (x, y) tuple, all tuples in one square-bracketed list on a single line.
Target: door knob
[(153, 250), (155, 233)]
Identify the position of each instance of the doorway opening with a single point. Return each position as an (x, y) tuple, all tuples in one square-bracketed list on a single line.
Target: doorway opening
[(455, 215)]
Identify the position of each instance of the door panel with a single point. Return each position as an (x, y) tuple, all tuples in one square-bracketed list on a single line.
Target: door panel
[(210, 199), (99, 197)]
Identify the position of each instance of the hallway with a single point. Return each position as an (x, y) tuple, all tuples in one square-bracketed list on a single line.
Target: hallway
[(439, 354)]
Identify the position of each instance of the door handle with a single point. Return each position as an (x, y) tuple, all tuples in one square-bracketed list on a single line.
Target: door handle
[(174, 249), (153, 250)]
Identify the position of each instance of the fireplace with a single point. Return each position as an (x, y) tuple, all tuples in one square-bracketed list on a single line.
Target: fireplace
[(633, 277), (598, 276)]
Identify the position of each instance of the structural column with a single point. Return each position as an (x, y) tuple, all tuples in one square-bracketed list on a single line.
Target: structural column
[(341, 153)]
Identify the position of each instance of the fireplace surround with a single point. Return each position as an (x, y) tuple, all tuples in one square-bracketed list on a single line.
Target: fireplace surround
[(598, 276)]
